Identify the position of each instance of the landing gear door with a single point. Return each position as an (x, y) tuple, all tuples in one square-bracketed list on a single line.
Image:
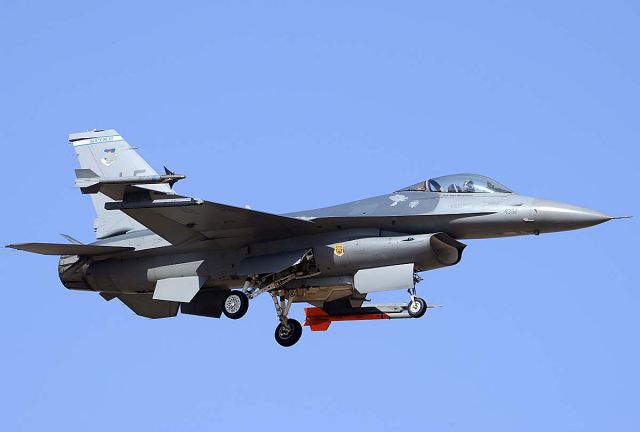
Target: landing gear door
[(384, 278)]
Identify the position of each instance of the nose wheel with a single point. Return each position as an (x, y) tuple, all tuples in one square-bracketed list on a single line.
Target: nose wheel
[(417, 307)]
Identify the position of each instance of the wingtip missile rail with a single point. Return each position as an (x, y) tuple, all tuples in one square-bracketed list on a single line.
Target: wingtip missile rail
[(90, 183)]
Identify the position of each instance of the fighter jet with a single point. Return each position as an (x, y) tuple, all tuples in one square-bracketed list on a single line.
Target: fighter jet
[(159, 252)]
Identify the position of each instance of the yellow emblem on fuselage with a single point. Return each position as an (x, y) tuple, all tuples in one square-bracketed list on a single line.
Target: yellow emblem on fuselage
[(338, 250)]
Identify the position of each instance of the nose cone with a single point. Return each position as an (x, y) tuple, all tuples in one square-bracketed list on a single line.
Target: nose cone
[(556, 216)]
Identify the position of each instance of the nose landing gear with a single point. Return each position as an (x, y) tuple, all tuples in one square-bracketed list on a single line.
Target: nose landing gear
[(417, 307)]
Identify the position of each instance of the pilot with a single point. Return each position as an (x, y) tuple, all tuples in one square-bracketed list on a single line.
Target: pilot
[(454, 188), (434, 186), (468, 186)]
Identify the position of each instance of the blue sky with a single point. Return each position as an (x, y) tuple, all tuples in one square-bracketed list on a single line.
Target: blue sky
[(295, 105)]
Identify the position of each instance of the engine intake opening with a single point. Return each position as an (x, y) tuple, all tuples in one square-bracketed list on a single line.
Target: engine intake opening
[(447, 250)]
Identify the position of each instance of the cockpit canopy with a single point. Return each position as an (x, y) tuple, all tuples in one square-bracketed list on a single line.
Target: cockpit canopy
[(459, 183)]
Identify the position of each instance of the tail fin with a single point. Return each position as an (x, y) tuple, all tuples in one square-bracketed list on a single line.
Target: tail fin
[(107, 154)]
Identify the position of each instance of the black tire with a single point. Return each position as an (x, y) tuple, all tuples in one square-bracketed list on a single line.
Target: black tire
[(417, 308), (288, 339), (235, 304)]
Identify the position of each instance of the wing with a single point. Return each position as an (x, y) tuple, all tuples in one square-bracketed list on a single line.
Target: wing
[(68, 249), (181, 221), (178, 219)]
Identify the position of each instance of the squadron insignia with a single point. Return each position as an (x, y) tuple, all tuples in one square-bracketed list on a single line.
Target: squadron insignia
[(110, 156), (338, 250)]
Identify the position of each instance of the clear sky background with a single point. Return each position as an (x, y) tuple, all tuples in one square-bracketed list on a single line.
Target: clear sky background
[(295, 105)]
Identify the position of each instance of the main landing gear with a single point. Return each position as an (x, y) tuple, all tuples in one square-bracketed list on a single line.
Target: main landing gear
[(289, 330), (235, 305), (290, 334)]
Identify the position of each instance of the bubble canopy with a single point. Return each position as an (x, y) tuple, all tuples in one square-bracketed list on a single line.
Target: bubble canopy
[(459, 183)]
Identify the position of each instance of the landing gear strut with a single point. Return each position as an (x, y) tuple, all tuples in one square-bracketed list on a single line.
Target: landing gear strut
[(417, 306), (289, 330)]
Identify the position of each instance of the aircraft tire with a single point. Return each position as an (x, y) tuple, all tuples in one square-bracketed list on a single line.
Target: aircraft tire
[(235, 304), (289, 339), (417, 308)]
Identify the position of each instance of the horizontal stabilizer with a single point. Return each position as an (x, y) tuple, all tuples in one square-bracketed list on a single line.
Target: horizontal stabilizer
[(68, 249)]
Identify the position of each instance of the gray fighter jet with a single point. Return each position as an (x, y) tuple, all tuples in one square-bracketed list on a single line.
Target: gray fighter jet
[(159, 252)]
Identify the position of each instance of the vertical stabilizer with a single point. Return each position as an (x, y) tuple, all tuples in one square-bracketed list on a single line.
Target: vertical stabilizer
[(107, 154)]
